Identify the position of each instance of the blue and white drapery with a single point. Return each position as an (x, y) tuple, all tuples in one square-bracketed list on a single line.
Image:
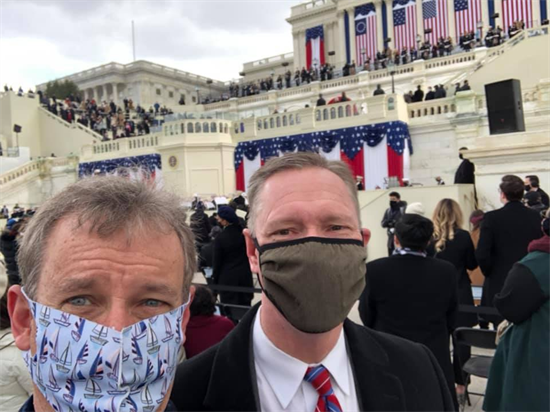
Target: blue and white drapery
[(375, 151), (150, 165)]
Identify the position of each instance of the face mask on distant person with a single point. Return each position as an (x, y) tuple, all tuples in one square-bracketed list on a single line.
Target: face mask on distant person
[(393, 204), (527, 188), (81, 365), (313, 282)]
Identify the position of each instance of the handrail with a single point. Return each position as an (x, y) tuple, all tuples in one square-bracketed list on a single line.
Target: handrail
[(18, 172), (74, 125)]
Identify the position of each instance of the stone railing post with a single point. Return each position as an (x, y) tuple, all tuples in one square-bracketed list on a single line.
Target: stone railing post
[(465, 103)]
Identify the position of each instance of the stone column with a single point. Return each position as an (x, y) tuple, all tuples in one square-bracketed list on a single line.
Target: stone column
[(451, 19), (536, 14), (379, 28), (115, 93), (389, 13), (420, 20), (302, 48), (105, 97), (95, 93), (295, 37), (341, 52), (485, 15), (500, 20), (351, 17)]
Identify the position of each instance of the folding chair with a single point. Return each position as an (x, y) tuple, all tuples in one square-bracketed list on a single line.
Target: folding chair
[(477, 365)]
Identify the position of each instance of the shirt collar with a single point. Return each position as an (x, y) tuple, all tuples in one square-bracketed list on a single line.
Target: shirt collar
[(406, 251), (285, 374)]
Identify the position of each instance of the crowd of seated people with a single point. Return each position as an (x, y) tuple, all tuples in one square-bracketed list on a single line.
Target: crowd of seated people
[(107, 119)]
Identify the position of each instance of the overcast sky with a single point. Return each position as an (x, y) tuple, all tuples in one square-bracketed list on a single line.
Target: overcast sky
[(42, 40)]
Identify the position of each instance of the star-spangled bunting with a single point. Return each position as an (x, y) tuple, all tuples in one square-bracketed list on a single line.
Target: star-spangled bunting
[(351, 141), (147, 162)]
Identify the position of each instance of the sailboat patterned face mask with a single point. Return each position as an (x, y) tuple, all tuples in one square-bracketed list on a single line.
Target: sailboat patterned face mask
[(83, 366)]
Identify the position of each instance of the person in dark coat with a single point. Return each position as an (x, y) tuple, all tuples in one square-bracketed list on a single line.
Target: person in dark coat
[(200, 226), (391, 216), (418, 95), (465, 173), (9, 248), (431, 94), (520, 372), (532, 184), (413, 296), (454, 245), (230, 264), (504, 237)]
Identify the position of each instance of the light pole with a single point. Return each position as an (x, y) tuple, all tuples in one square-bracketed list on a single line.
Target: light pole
[(391, 69), (315, 63), (363, 54), (198, 95), (209, 83)]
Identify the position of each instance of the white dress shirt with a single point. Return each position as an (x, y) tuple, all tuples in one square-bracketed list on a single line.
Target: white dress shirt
[(280, 377)]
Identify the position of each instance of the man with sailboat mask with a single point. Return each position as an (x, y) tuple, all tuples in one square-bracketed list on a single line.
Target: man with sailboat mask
[(106, 269)]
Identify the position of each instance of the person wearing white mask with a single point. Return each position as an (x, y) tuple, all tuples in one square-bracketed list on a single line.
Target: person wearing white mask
[(106, 268), (15, 380)]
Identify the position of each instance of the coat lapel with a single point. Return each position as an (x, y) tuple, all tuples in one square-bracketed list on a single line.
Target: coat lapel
[(377, 388), (233, 385)]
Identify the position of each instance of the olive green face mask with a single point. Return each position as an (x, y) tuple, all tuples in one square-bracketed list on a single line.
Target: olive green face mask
[(313, 281)]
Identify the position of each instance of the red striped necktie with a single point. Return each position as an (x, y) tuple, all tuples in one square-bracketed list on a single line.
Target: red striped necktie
[(319, 377)]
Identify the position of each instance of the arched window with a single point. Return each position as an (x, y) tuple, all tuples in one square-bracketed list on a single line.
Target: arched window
[(340, 112), (205, 128), (272, 123), (348, 110), (182, 128), (266, 125), (278, 121), (318, 115), (171, 131), (225, 128), (198, 127), (285, 123), (325, 114), (297, 118), (189, 127), (220, 127), (333, 113), (291, 119)]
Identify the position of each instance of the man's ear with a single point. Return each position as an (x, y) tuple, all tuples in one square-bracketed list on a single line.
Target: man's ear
[(20, 317), (366, 236), (187, 313), (253, 259)]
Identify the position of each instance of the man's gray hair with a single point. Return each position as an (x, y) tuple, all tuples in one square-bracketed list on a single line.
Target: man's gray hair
[(108, 204), (296, 161)]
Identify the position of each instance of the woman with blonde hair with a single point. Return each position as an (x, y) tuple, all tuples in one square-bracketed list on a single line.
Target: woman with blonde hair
[(453, 244)]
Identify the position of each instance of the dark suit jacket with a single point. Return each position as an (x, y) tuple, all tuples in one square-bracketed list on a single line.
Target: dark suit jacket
[(461, 253), (465, 173), (230, 264), (391, 374), (415, 298), (504, 236), (543, 197)]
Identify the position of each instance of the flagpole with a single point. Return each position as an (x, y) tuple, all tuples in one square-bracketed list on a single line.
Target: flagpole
[(133, 41)]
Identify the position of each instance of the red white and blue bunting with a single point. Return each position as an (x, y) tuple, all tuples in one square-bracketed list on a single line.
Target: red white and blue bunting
[(375, 151)]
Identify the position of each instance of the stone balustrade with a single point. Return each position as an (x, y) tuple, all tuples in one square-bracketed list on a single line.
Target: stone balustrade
[(22, 171), (375, 109), (432, 108)]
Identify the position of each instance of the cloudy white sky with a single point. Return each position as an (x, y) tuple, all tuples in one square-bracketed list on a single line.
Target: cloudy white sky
[(42, 40)]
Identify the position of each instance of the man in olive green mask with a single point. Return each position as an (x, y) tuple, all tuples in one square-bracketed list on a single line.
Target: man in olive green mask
[(296, 351)]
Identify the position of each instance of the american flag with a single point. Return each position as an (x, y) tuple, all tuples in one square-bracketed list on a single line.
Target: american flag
[(365, 32), (467, 15), (434, 13), (404, 23), (514, 10)]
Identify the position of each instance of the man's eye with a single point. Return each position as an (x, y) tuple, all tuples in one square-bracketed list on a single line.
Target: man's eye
[(153, 303), (283, 232), (336, 227), (79, 301)]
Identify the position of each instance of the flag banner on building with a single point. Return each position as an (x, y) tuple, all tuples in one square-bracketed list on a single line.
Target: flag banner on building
[(467, 16), (366, 38), (515, 10), (147, 166), (404, 23), (434, 14), (315, 46), (374, 152)]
